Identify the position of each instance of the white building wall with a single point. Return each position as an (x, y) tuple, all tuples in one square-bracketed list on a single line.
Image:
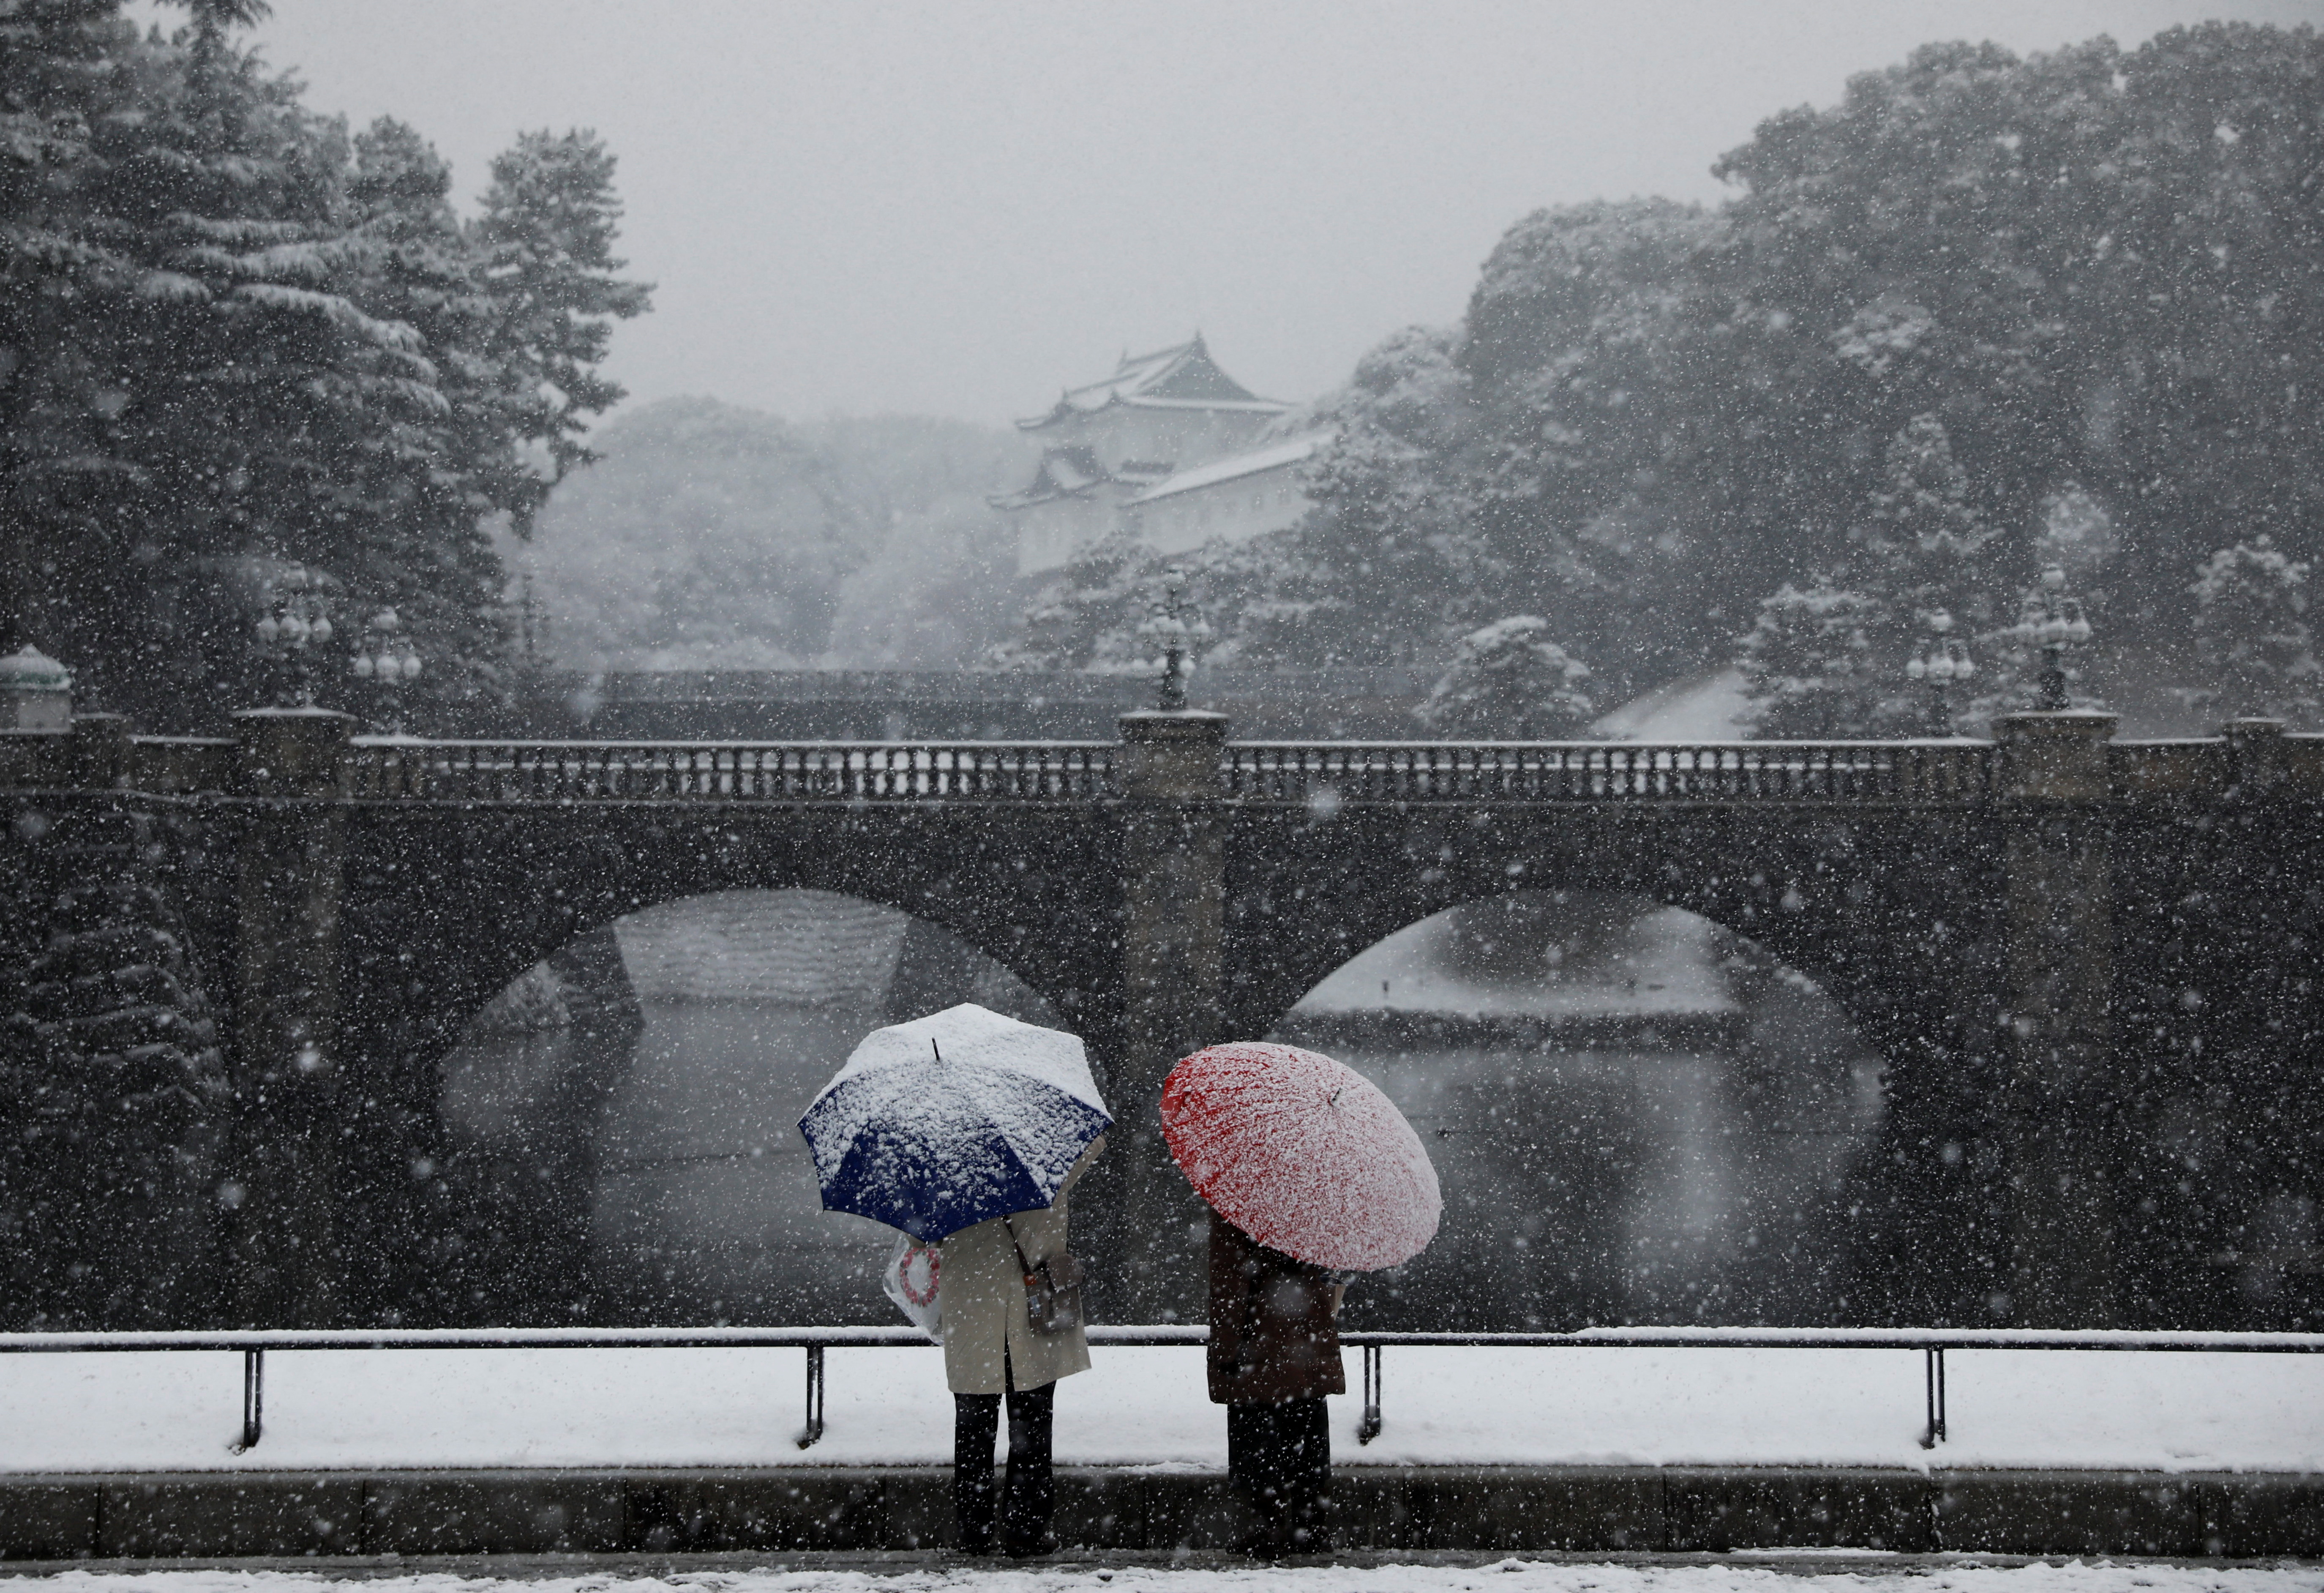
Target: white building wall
[(1231, 511)]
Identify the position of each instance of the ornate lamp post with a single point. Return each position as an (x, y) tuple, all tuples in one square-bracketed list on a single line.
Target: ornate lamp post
[(1177, 625), (2054, 618), (1945, 660), (295, 616), (386, 660)]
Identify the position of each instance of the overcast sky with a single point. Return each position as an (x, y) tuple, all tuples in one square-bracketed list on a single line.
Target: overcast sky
[(957, 208)]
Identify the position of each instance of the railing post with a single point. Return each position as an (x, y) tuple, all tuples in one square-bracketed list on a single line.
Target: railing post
[(283, 1194), (253, 1400), (1172, 971), (812, 1433), (1368, 1427), (2061, 1109)]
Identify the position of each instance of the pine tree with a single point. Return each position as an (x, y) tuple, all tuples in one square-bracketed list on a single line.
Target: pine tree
[(1509, 680), (1086, 616), (2251, 635), (115, 1094), (60, 62), (1811, 665), (219, 379), (424, 494), (549, 221)]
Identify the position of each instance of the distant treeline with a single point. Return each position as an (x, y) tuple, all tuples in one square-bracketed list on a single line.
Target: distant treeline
[(708, 536), (1985, 316), (233, 337)]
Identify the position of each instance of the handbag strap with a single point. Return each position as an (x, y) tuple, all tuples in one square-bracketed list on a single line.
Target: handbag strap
[(1021, 1261)]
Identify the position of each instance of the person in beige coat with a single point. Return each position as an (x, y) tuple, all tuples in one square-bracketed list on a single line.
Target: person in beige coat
[(992, 1351)]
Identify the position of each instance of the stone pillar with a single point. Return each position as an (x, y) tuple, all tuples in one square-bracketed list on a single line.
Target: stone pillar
[(100, 752), (35, 692), (284, 1189), (2061, 1110), (2255, 758), (1172, 973)]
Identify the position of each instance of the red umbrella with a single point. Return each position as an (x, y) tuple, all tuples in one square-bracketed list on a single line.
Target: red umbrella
[(1302, 1154)]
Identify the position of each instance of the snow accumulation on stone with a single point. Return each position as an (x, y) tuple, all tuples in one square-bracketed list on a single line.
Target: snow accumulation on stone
[(495, 1408), (1512, 1575)]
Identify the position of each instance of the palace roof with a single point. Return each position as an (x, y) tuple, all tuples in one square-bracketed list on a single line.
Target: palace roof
[(1235, 466), (1183, 377), (1076, 471)]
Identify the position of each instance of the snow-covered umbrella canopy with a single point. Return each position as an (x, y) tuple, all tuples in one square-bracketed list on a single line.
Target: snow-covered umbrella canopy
[(952, 1120), (1302, 1153)]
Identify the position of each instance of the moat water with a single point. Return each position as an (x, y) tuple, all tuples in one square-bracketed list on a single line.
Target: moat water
[(1634, 1116)]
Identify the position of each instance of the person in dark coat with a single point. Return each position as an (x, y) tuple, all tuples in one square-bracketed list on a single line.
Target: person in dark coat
[(1273, 1354)]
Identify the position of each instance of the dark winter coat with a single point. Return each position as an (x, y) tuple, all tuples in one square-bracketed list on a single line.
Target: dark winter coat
[(1273, 1332)]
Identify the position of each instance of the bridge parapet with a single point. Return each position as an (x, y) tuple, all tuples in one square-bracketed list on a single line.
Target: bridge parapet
[(2253, 760), (97, 754), (2254, 757), (1934, 773), (567, 772)]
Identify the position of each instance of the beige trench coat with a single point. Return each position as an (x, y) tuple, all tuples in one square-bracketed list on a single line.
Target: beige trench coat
[(981, 1294)]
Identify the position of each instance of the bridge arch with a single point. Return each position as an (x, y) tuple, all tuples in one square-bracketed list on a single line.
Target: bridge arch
[(613, 1139), (416, 969), (1896, 920), (1636, 1115), (1899, 918)]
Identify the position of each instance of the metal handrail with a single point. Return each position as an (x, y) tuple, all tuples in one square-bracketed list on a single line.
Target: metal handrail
[(1932, 1342)]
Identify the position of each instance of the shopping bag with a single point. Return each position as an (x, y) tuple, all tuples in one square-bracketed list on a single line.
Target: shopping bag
[(911, 1280)]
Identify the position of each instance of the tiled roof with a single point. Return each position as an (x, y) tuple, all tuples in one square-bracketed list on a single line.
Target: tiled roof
[(1183, 377), (1234, 467), (1063, 472)]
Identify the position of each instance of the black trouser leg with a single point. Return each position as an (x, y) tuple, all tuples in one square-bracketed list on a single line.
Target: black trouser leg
[(1279, 1455), (975, 1422), (1032, 1498)]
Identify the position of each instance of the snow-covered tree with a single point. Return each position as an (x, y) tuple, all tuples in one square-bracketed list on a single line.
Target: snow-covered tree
[(550, 218), (113, 1098), (1811, 665), (1510, 681), (1929, 545), (1086, 616), (2252, 634), (229, 347)]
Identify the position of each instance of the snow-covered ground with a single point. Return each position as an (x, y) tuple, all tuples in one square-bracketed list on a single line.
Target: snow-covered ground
[(1506, 1575), (1147, 1407)]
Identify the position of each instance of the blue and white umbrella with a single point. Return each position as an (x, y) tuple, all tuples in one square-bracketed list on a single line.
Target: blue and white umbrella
[(952, 1120)]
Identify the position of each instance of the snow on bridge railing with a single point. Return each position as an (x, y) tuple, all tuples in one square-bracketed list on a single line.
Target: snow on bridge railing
[(1918, 772), (395, 769), (1931, 1342)]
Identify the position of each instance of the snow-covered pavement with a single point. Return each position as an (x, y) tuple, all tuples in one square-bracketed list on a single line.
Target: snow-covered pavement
[(1506, 1575), (371, 1409)]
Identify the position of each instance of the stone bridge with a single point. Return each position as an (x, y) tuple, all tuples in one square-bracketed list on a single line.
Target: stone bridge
[(2088, 962)]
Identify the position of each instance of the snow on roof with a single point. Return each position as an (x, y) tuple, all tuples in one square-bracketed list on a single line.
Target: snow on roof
[(1063, 473), (1181, 377), (1234, 467)]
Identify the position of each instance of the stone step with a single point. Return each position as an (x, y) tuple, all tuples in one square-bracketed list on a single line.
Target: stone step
[(245, 1515)]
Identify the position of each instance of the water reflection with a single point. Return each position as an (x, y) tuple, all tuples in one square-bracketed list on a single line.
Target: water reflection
[(645, 1165), (1636, 1116)]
